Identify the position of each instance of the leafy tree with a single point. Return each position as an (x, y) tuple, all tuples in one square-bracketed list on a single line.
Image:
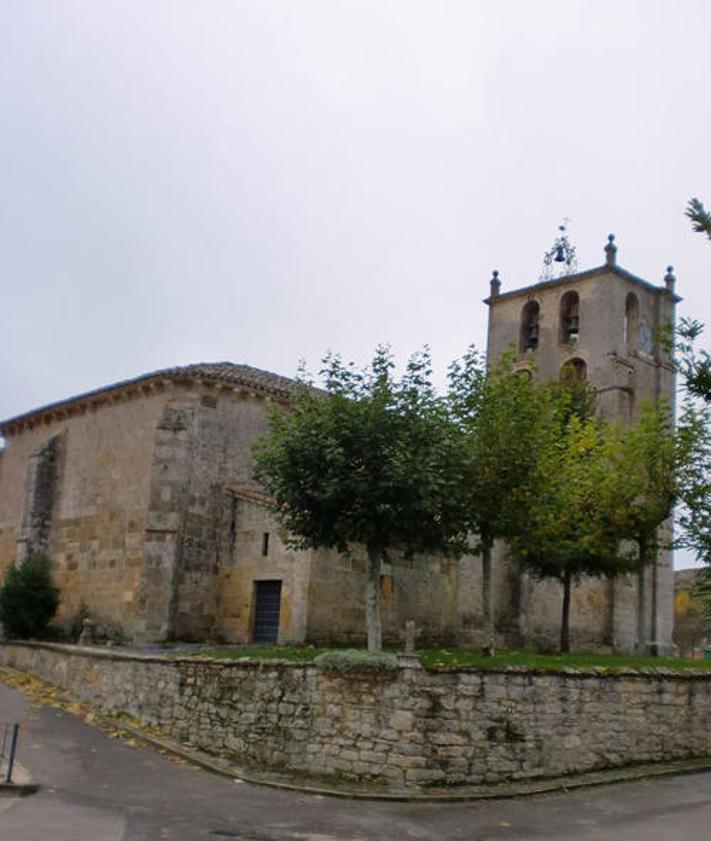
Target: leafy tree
[(694, 473), (693, 364), (643, 481), (28, 600), (370, 460), (694, 480), (701, 597), (692, 615), (501, 414), (700, 217), (571, 530)]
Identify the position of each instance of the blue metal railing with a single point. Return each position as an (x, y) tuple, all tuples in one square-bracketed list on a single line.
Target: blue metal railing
[(9, 733)]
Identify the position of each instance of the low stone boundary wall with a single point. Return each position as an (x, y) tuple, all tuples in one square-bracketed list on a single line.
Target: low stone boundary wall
[(408, 727)]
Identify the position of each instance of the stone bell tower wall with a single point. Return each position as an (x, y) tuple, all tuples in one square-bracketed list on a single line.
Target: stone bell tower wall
[(615, 344)]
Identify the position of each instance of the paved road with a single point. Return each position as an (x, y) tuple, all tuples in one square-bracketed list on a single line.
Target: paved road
[(95, 788)]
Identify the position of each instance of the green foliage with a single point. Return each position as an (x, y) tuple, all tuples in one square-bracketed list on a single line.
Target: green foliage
[(503, 417), (571, 529), (502, 414), (370, 460), (701, 595), (694, 438), (650, 465), (692, 613), (642, 480), (574, 398), (570, 524), (356, 661), (452, 658), (471, 658), (599, 484), (700, 217), (693, 364), (694, 480), (28, 601)]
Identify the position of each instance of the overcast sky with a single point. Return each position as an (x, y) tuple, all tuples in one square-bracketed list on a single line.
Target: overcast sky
[(263, 181)]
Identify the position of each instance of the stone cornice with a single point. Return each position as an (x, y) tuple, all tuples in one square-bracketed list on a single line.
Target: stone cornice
[(581, 276), (244, 379)]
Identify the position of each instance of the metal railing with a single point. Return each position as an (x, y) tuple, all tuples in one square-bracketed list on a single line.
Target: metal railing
[(9, 733)]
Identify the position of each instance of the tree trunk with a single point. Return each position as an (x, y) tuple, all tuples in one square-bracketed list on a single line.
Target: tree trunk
[(487, 647), (372, 601), (641, 599), (565, 619)]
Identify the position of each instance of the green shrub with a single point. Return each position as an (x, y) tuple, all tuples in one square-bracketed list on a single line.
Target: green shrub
[(352, 661), (28, 600)]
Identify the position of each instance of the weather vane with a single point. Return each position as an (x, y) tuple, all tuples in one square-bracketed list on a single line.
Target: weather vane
[(560, 259)]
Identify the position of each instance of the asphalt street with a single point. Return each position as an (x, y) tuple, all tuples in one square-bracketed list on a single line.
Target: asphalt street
[(95, 788)]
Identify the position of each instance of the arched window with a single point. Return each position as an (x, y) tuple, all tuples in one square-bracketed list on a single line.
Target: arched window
[(631, 322), (569, 317), (574, 370), (529, 327)]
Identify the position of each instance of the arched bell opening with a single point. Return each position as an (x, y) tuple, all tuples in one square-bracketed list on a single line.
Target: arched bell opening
[(574, 370), (570, 318), (530, 316)]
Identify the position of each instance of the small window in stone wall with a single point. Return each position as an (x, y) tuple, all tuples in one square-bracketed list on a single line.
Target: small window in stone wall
[(209, 400), (265, 544)]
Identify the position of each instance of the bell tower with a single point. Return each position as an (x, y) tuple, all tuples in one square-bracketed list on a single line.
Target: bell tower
[(600, 325), (603, 323)]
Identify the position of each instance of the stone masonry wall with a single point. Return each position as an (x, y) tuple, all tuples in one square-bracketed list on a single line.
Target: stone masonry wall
[(422, 588), (93, 520), (244, 563), (224, 425), (409, 727)]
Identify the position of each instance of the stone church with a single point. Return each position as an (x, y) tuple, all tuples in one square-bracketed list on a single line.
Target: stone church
[(141, 493)]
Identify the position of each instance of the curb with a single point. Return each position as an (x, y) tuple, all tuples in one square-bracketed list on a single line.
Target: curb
[(28, 786), (18, 789), (501, 791)]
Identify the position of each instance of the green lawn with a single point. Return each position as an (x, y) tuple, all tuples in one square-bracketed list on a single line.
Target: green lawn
[(444, 658), (438, 658), (297, 653)]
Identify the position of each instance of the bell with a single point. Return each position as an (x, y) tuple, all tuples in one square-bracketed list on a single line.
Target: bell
[(559, 255)]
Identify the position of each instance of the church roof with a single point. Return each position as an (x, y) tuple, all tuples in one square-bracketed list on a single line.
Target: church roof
[(225, 374)]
